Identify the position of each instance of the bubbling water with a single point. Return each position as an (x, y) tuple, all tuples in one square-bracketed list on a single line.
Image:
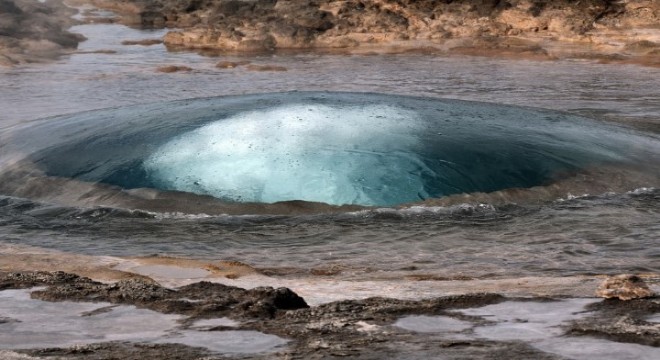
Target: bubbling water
[(355, 155), (333, 148)]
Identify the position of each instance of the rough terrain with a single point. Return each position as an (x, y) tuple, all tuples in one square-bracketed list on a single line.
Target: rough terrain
[(605, 30), (31, 31), (359, 329)]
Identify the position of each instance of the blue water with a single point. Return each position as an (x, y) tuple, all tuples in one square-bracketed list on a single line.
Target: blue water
[(335, 148)]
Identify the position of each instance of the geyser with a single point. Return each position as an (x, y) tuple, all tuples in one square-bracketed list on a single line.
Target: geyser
[(337, 155), (335, 148)]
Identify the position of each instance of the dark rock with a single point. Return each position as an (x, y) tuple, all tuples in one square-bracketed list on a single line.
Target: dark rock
[(253, 67), (8, 7), (643, 46), (145, 42), (359, 329), (623, 321), (24, 280), (173, 68), (208, 299), (230, 64), (123, 351)]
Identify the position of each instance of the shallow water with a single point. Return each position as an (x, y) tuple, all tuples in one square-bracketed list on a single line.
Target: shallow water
[(534, 323), (30, 323), (602, 232)]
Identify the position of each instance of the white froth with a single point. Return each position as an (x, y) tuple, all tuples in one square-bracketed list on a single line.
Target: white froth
[(297, 152)]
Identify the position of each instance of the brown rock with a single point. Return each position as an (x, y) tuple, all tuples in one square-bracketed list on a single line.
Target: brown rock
[(144, 42), (230, 64), (173, 68), (266, 68), (102, 51), (624, 287), (602, 27), (643, 46)]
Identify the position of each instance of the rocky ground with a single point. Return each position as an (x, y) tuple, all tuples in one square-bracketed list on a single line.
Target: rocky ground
[(31, 31), (351, 328), (605, 30)]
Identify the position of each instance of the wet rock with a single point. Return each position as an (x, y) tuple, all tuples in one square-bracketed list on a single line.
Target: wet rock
[(230, 25), (32, 31), (145, 42), (122, 350), (24, 280), (351, 328), (106, 51), (624, 287), (643, 47), (253, 67), (202, 299), (130, 12), (623, 321), (173, 68), (230, 64), (7, 320)]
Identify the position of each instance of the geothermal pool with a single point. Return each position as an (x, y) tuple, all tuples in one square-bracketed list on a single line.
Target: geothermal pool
[(328, 147), (343, 177), (450, 167)]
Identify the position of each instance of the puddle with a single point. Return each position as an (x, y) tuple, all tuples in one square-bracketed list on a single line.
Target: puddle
[(597, 349), (226, 342), (39, 324), (10, 355), (27, 324), (433, 324), (654, 319), (536, 323), (172, 272), (527, 320), (211, 323)]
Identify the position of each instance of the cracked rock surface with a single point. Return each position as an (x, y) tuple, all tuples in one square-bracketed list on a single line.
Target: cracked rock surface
[(359, 329)]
